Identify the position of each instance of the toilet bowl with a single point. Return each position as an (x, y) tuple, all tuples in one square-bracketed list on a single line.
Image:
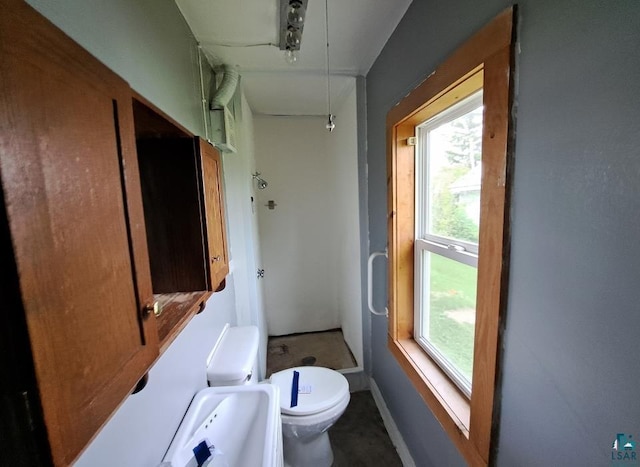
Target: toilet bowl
[(312, 399)]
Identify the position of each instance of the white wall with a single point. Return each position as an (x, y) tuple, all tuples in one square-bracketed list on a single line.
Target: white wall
[(310, 242), (242, 235), (342, 151), (296, 238)]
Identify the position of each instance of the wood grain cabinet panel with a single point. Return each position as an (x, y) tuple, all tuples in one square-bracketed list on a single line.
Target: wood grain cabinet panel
[(214, 213), (70, 180), (171, 198)]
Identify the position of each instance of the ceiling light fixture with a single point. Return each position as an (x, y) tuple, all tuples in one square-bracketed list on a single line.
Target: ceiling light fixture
[(330, 122), (292, 13)]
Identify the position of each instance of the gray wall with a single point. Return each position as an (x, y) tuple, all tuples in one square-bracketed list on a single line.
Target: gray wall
[(570, 368)]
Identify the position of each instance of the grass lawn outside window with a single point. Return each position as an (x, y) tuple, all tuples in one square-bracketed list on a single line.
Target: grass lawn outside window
[(453, 286)]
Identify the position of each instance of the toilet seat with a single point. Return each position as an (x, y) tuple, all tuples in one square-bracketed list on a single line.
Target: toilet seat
[(320, 389)]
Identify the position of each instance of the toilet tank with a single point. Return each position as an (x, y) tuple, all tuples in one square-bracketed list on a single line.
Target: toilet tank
[(233, 361)]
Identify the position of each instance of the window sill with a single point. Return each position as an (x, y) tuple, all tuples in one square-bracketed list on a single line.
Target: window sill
[(429, 377), (449, 405)]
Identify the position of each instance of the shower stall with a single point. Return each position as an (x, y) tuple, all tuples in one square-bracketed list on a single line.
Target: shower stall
[(308, 216)]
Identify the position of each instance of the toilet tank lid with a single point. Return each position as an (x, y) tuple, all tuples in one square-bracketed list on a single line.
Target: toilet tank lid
[(232, 359), (319, 389)]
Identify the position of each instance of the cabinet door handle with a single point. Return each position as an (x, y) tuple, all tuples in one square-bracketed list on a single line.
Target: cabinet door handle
[(154, 308), (216, 258)]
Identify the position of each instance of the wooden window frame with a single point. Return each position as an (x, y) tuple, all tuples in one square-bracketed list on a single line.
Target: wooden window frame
[(488, 54)]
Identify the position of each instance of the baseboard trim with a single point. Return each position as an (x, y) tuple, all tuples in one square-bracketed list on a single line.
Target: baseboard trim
[(390, 425)]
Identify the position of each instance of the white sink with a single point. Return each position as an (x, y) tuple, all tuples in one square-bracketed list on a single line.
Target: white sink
[(242, 423)]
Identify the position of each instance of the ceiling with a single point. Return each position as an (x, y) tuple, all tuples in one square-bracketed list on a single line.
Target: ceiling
[(239, 33)]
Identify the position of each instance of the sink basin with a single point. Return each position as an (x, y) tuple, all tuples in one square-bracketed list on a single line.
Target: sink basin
[(240, 425)]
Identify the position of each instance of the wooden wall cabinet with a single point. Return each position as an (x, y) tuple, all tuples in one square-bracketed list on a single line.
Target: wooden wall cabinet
[(106, 207), (73, 217), (183, 206)]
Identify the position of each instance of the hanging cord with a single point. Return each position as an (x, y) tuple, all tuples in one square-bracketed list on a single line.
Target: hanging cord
[(326, 23), (330, 123)]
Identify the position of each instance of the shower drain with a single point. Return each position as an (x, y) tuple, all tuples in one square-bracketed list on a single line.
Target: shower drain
[(308, 361)]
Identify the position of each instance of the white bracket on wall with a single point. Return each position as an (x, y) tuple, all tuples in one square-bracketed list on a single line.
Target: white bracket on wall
[(373, 256)]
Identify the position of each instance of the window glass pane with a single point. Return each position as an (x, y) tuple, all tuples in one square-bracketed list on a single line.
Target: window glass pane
[(454, 176), (449, 310)]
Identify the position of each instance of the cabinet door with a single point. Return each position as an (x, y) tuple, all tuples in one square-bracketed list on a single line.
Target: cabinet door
[(214, 213), (70, 180)]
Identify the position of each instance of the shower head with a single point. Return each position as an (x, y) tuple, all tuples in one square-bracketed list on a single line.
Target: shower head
[(262, 184)]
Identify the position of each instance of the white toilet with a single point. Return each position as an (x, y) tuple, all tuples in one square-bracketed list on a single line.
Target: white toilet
[(321, 398)]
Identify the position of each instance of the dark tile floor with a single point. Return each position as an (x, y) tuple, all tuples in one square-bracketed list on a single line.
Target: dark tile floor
[(359, 438)]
